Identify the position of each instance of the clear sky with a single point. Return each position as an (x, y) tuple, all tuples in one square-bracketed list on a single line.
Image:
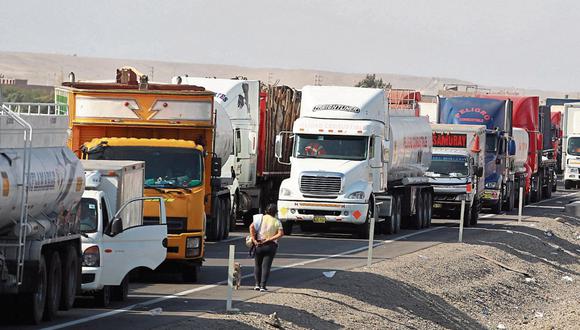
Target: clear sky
[(522, 43)]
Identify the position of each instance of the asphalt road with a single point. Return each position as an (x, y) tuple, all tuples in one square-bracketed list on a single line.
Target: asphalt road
[(301, 257)]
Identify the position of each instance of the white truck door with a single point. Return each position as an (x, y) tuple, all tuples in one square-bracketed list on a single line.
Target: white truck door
[(245, 142), (125, 249)]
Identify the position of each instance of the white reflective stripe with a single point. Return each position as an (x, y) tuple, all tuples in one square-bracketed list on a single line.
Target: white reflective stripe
[(181, 110), (92, 107)]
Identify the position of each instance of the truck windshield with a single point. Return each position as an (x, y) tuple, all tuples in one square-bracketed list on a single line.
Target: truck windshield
[(331, 147), (490, 142), (449, 165), (88, 215), (574, 146), (165, 167)]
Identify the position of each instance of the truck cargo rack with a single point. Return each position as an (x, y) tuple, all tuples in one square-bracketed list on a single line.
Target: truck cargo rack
[(37, 108), (27, 139)]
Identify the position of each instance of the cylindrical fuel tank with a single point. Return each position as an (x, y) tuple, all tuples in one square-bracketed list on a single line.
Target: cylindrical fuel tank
[(411, 144), (522, 144), (224, 137), (56, 184)]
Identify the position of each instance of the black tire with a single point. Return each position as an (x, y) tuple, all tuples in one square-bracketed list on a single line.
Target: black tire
[(417, 219), (567, 184), (215, 227), (547, 191), (70, 277), (363, 230), (537, 194), (554, 183), (389, 225), (287, 226), (398, 213), (226, 209), (427, 209), (474, 213), (466, 215), (190, 273), (120, 292), (103, 297), (498, 206), (31, 305), (510, 200), (53, 289)]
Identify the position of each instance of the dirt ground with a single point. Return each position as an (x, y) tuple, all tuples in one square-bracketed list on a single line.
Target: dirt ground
[(509, 276)]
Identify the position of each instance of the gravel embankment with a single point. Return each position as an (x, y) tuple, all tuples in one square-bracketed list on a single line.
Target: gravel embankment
[(453, 286)]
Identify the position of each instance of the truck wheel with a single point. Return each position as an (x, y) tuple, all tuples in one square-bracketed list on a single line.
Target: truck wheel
[(70, 277), (398, 214), (53, 289), (364, 229), (227, 217), (510, 200), (417, 219), (466, 216), (498, 206), (215, 227), (389, 226), (474, 213), (31, 305), (554, 183), (287, 227), (428, 209), (547, 191), (120, 292), (103, 297), (189, 273), (537, 195), (567, 184)]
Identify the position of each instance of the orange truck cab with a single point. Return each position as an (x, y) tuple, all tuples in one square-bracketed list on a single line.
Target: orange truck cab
[(172, 129)]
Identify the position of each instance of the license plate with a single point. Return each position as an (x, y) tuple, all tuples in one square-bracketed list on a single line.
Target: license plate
[(437, 205), (319, 219)]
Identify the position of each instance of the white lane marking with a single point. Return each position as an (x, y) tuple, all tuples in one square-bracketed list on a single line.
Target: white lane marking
[(211, 286), (488, 215), (231, 239), (546, 207)]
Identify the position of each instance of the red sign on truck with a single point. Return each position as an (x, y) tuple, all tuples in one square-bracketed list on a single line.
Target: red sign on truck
[(449, 140)]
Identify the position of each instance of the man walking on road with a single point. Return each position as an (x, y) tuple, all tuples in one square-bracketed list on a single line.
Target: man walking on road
[(265, 231)]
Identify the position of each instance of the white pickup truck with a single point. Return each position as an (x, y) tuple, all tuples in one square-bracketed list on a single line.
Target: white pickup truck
[(115, 240)]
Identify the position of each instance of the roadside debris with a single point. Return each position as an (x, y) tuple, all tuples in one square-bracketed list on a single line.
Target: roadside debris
[(538, 315), (567, 278), (329, 274), (501, 326), (530, 280), (274, 321), (549, 233), (156, 311), (504, 266)]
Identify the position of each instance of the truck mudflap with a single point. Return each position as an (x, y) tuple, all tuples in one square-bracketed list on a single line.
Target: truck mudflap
[(185, 246), (322, 212)]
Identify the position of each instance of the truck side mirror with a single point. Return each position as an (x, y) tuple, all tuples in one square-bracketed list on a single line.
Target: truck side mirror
[(278, 146), (116, 227), (216, 166), (512, 147)]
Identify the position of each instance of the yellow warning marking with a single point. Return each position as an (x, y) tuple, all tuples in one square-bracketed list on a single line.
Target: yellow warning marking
[(5, 184)]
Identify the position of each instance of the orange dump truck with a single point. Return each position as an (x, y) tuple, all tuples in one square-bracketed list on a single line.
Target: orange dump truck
[(172, 129)]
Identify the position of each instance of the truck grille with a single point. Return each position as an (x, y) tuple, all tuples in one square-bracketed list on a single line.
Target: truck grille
[(175, 225), (320, 185)]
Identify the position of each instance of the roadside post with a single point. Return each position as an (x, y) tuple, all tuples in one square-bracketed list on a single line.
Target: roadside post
[(372, 233), (461, 216), (521, 206), (231, 280)]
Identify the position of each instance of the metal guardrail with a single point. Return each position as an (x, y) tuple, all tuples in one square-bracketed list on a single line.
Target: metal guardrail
[(40, 109)]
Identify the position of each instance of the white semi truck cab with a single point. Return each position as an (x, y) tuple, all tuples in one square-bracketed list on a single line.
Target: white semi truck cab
[(571, 145), (115, 239), (348, 154)]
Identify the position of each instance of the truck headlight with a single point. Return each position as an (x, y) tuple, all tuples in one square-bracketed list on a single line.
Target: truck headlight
[(356, 195), (91, 257), (491, 185), (285, 192), (192, 247), (192, 243)]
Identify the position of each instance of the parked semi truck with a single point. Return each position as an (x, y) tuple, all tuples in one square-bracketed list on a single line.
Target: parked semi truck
[(500, 180), (115, 239), (457, 170), (256, 117), (348, 154), (571, 145), (528, 115), (556, 106), (41, 185), (173, 129)]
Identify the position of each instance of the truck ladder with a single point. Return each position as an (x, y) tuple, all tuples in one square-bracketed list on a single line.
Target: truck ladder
[(27, 137)]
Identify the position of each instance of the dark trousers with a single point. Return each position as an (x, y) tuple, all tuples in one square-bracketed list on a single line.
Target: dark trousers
[(263, 262)]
